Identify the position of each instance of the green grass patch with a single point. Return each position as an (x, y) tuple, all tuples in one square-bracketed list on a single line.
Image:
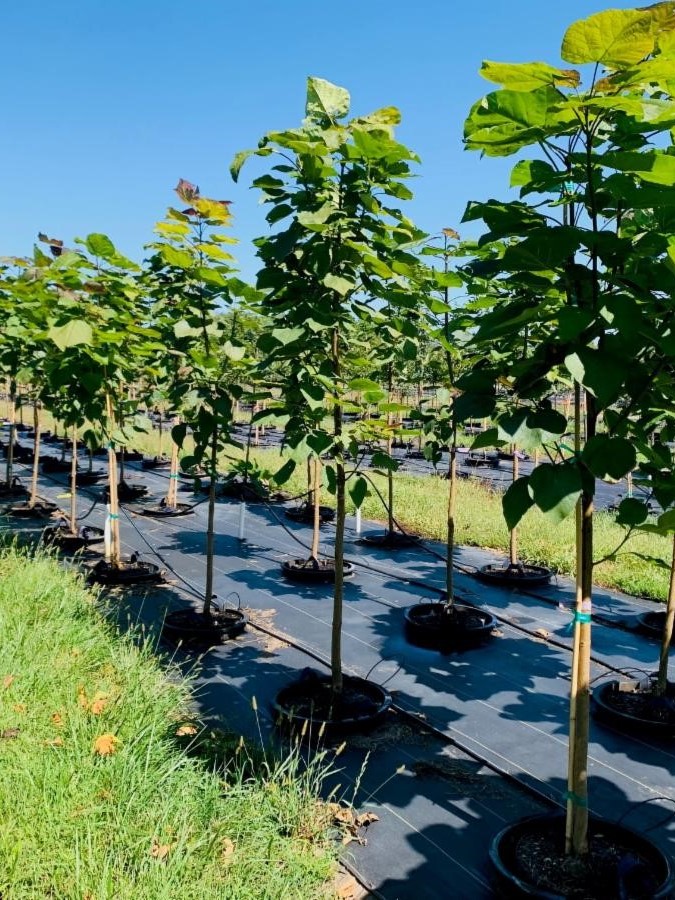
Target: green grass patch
[(98, 799)]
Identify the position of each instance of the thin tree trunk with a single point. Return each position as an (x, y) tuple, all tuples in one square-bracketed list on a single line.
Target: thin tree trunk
[(316, 499), (210, 531), (662, 681), (450, 539), (12, 434), (172, 494), (73, 484), (513, 538), (338, 594), (36, 455), (576, 829), (159, 443), (115, 555)]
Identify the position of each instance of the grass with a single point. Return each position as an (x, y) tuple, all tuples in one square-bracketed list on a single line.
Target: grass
[(97, 798), (641, 568)]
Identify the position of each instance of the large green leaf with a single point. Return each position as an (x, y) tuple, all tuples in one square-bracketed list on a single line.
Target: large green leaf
[(358, 488), (556, 489), (516, 501), (527, 76), (632, 511), (613, 38), (325, 100), (75, 332), (598, 372), (607, 456), (100, 245)]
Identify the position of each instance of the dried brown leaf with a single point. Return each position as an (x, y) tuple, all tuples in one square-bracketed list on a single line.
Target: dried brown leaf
[(106, 744)]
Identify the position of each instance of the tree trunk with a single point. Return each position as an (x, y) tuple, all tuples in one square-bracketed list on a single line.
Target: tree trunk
[(450, 538), (576, 831), (12, 433), (513, 538), (159, 443), (114, 515), (172, 494), (338, 594), (316, 500), (73, 484), (662, 682), (36, 455), (210, 531)]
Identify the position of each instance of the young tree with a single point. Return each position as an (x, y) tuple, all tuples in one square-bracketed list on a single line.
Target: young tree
[(601, 161), (342, 245)]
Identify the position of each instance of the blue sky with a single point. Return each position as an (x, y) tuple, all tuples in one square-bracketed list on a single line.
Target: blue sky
[(107, 103)]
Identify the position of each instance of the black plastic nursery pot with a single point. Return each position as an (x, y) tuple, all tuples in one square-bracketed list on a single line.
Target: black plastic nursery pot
[(13, 491), (633, 708), (129, 571), (314, 571), (163, 511), (389, 540), (652, 623), (481, 461), (41, 509), (518, 575), (128, 493), (129, 455), (437, 626), (309, 707), (53, 466), (85, 478), (415, 454), (305, 513), (156, 462), (193, 628), (528, 860), (59, 536), (238, 490)]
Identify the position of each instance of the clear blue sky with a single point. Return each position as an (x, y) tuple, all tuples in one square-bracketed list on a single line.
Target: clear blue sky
[(107, 103)]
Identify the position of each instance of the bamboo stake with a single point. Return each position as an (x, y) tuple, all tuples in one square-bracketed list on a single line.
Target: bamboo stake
[(172, 494), (73, 484), (114, 514), (36, 455), (452, 502), (316, 497), (513, 537), (210, 531), (666, 638)]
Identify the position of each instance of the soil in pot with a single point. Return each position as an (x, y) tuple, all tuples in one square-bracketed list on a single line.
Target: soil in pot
[(305, 513), (192, 627), (439, 626), (518, 575), (529, 861), (237, 489), (309, 706), (389, 540), (60, 536), (633, 707), (85, 478), (127, 493), (14, 490), (131, 571), (156, 462), (653, 623), (42, 509), (51, 465), (314, 571), (164, 511)]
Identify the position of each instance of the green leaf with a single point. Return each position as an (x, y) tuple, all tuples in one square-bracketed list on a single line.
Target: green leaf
[(75, 332), (325, 100), (175, 257), (488, 438), (666, 521), (527, 76), (613, 38), (556, 489), (285, 472), (609, 456), (100, 245), (338, 284), (238, 161), (178, 433), (632, 512), (234, 352), (358, 489), (382, 460), (363, 384), (182, 329), (598, 372), (516, 501)]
